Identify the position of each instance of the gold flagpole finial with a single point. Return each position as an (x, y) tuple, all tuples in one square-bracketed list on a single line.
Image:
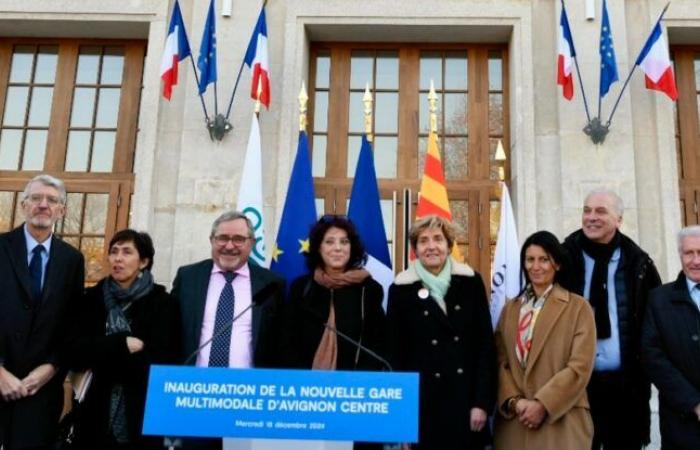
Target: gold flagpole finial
[(303, 101), (501, 158), (432, 107), (367, 100), (257, 100)]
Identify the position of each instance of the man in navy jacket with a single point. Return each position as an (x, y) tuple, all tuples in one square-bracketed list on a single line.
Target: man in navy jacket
[(671, 347)]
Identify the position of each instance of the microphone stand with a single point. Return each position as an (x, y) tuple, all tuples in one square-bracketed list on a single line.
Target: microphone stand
[(352, 341), (221, 331), (171, 442)]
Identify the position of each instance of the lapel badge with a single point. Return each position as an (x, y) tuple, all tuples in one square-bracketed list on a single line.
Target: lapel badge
[(423, 293)]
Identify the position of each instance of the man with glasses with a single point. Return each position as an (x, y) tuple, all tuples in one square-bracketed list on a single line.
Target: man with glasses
[(214, 292), (41, 284)]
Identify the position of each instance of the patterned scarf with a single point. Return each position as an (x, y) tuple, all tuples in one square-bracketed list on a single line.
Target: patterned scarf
[(530, 307), (117, 302)]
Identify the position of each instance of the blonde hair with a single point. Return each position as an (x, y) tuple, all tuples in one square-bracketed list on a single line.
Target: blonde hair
[(449, 230)]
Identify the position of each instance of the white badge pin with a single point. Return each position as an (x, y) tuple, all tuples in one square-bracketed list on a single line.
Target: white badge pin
[(423, 293)]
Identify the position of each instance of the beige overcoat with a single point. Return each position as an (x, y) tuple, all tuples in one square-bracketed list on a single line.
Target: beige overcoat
[(557, 372)]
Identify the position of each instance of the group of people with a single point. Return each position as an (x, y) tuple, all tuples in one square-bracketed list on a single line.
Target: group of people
[(569, 365)]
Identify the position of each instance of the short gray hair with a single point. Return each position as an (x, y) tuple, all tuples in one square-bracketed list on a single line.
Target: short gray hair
[(432, 221), (47, 180), (618, 204), (692, 230), (228, 216)]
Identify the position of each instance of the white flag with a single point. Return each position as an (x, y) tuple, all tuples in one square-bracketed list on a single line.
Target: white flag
[(505, 281), (250, 197)]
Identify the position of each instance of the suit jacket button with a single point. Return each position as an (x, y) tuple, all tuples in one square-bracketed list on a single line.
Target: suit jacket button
[(694, 337), (457, 307), (456, 338), (460, 371), (434, 342), (27, 306), (437, 374), (425, 313)]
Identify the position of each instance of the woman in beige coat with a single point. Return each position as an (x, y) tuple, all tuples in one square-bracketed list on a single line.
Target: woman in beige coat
[(546, 348)]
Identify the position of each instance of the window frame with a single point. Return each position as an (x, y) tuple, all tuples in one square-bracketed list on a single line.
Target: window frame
[(478, 188), (119, 183)]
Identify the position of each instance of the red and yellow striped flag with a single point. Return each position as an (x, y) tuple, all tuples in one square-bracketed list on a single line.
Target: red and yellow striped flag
[(432, 198)]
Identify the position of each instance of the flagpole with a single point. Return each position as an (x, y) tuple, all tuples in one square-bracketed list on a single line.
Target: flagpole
[(235, 88), (578, 73), (257, 100), (367, 100), (634, 67), (583, 92), (619, 97), (238, 78), (201, 98), (303, 101)]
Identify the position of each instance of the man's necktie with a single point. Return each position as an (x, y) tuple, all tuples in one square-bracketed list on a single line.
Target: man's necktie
[(221, 345), (36, 272)]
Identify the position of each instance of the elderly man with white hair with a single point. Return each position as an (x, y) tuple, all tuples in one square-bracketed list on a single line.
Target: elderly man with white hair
[(671, 347), (41, 286), (615, 275)]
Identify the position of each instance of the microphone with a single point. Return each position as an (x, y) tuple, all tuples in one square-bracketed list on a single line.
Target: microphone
[(348, 339), (258, 300)]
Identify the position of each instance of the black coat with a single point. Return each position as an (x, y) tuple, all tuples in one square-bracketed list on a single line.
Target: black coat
[(34, 333), (361, 319), (454, 354), (154, 319), (671, 355), (640, 277), (267, 289)]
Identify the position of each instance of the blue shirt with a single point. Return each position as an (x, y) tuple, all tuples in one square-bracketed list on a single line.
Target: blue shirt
[(608, 355), (31, 243), (694, 293)]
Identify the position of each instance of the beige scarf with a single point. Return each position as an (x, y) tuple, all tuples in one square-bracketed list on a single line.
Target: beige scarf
[(326, 357)]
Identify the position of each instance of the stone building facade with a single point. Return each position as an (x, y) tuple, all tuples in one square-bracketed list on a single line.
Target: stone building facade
[(162, 172)]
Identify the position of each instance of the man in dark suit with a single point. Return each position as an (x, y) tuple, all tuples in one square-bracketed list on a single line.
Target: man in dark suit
[(214, 291), (42, 279), (671, 347), (615, 275)]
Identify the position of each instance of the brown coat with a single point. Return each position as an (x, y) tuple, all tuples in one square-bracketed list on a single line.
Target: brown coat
[(558, 369)]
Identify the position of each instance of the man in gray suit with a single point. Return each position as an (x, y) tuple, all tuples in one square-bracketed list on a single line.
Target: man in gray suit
[(214, 291)]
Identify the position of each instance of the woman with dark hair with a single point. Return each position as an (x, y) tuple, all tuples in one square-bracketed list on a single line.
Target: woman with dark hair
[(439, 325), (338, 292), (546, 349), (126, 323)]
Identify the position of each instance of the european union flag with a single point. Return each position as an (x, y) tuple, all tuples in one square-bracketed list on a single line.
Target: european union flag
[(608, 65), (298, 216), (207, 52)]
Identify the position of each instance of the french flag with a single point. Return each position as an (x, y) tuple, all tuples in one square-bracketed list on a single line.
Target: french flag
[(256, 59), (656, 64), (177, 48), (567, 53)]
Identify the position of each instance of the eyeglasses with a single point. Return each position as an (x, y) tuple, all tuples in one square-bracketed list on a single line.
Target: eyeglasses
[(223, 239), (36, 199)]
